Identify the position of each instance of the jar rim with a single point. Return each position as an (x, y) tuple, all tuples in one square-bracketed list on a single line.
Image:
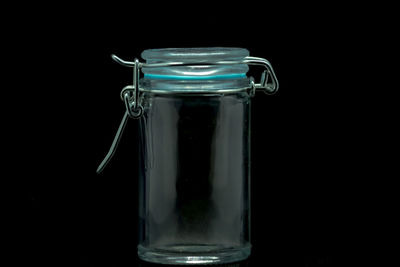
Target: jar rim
[(194, 54)]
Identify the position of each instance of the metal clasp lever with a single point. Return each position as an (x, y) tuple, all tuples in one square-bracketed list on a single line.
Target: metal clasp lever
[(131, 97), (268, 74)]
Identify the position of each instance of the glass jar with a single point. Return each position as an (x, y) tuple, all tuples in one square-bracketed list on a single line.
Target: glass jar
[(193, 108)]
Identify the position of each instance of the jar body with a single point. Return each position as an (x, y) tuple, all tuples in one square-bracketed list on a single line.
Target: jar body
[(194, 184)]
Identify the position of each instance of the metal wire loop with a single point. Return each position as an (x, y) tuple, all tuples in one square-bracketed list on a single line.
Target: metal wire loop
[(127, 89), (133, 112)]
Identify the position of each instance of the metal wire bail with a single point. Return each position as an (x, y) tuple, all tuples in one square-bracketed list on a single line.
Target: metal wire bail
[(130, 94), (268, 82)]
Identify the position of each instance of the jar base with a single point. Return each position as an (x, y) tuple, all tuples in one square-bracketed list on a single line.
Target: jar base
[(194, 254)]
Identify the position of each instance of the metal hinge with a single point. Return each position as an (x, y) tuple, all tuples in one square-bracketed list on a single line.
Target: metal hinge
[(130, 94)]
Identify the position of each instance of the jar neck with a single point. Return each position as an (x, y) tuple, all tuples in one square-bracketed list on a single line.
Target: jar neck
[(195, 85)]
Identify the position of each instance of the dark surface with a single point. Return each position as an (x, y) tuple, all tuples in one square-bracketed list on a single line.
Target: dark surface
[(302, 144)]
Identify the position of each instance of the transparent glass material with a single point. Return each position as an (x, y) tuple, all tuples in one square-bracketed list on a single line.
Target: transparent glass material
[(194, 184)]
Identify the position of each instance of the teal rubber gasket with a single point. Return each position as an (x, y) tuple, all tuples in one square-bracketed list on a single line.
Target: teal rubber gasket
[(193, 77)]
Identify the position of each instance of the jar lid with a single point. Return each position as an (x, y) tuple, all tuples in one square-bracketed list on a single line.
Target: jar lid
[(195, 56), (196, 77)]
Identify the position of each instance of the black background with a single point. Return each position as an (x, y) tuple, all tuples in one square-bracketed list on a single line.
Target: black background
[(301, 160)]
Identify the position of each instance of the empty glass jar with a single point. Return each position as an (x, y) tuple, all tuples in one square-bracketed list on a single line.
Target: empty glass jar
[(193, 109)]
